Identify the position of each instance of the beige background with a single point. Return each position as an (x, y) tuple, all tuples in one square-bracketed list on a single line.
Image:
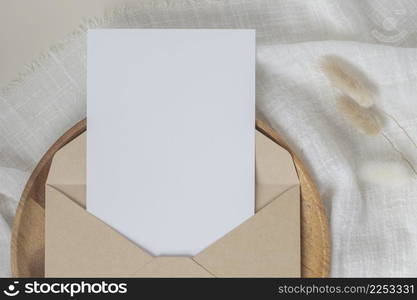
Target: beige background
[(29, 27)]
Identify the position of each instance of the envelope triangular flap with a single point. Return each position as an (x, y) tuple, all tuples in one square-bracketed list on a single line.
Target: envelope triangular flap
[(275, 170), (68, 170), (266, 245), (78, 244)]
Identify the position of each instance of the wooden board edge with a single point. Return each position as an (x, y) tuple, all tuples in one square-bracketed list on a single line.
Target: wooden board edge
[(64, 139)]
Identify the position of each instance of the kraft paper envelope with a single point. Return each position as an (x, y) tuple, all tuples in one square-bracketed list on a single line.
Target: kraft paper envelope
[(77, 244)]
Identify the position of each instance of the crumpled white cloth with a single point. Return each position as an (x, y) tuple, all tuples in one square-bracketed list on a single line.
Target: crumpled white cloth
[(373, 228)]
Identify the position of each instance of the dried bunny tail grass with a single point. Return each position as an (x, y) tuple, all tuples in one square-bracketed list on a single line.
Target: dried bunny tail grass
[(360, 118), (340, 75), (365, 122), (388, 174)]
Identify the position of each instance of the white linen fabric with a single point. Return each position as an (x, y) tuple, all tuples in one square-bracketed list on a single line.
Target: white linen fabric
[(374, 231)]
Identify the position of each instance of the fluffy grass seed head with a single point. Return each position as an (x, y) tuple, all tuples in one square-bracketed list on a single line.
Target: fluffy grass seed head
[(360, 118), (387, 174), (344, 78)]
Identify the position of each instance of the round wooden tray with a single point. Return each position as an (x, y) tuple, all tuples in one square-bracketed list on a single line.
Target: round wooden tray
[(27, 245)]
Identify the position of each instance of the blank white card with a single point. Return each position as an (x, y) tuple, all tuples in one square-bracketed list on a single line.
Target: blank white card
[(170, 139)]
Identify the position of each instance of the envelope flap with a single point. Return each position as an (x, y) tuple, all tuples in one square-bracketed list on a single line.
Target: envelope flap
[(165, 266), (273, 163), (266, 245), (75, 192), (275, 170), (69, 164), (77, 244)]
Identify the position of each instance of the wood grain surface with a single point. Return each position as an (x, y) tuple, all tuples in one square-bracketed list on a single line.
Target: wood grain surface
[(27, 245)]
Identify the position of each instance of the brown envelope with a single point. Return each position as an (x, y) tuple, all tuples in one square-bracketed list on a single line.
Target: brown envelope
[(77, 244)]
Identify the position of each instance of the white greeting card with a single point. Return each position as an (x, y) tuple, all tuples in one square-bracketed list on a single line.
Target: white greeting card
[(170, 139)]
